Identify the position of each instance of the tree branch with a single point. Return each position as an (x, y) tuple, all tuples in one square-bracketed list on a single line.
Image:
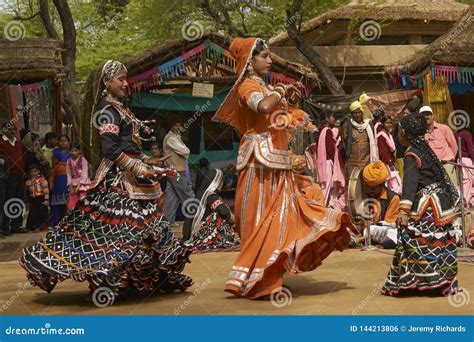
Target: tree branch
[(46, 19), (234, 31), (206, 7), (215, 14), (307, 50), (242, 18), (18, 17), (69, 100)]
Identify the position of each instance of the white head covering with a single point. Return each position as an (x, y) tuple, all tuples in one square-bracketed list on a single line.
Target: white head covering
[(425, 109), (215, 184)]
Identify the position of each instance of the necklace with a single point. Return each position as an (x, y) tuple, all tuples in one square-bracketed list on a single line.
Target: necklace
[(128, 115), (258, 79)]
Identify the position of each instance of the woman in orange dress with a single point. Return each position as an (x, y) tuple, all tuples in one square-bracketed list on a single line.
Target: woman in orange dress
[(282, 229)]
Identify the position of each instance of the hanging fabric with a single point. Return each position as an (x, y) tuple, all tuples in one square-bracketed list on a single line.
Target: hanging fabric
[(436, 95), (177, 67)]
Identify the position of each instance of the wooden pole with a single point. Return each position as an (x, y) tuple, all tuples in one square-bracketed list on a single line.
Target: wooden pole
[(461, 191), (57, 124)]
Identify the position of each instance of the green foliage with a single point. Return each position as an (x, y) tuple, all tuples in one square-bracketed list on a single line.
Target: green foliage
[(120, 29)]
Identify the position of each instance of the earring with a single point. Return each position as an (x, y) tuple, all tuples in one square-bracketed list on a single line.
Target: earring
[(250, 68)]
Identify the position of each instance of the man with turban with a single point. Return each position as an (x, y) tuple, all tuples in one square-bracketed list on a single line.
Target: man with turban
[(382, 205), (358, 138)]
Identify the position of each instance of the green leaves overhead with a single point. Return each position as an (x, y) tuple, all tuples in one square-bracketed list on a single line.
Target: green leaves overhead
[(119, 29)]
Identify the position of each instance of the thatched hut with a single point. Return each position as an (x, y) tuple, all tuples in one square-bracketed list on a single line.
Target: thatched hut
[(188, 80), (29, 94), (444, 69), (359, 40), (455, 48)]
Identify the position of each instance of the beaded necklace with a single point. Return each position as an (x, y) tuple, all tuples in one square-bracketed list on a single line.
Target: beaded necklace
[(127, 116)]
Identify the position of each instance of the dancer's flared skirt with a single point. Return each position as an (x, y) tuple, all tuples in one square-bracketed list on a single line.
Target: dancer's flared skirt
[(284, 227), (110, 241)]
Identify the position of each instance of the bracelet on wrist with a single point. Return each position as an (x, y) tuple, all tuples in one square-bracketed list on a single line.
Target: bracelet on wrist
[(277, 94), (280, 90)]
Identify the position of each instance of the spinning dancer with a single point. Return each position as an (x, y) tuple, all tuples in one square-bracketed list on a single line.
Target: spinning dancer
[(426, 256), (281, 229), (115, 237)]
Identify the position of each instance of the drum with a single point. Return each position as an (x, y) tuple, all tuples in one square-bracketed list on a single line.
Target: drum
[(355, 196), (453, 174)]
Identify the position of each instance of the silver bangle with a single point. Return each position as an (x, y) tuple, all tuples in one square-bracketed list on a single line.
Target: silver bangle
[(277, 94), (280, 90)]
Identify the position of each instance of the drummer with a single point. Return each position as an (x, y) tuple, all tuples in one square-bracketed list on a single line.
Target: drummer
[(383, 228)]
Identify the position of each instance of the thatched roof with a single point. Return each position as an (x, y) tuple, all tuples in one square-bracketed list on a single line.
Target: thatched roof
[(456, 47), (177, 47), (157, 56), (429, 10), (29, 59)]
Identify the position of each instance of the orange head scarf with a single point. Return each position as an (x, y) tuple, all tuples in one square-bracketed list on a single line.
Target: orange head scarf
[(241, 49), (375, 173)]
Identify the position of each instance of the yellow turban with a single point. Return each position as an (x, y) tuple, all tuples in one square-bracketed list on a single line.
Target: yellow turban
[(375, 173), (355, 105), (364, 98)]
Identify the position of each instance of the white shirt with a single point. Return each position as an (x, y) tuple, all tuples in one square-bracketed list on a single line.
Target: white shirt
[(176, 144)]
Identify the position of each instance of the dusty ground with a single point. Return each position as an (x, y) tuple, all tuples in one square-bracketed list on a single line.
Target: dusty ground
[(345, 284)]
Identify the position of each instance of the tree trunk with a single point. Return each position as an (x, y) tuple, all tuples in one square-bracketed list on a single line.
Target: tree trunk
[(307, 50), (69, 100), (48, 25)]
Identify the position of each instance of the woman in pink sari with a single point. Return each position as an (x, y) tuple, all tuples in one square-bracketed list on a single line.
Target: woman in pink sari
[(330, 171), (387, 149)]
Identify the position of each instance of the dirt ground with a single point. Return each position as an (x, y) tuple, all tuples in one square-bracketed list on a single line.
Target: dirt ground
[(347, 283)]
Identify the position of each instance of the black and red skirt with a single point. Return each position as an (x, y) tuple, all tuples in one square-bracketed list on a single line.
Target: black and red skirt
[(113, 242)]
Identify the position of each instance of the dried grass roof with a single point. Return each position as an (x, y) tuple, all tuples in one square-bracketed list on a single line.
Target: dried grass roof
[(430, 10), (158, 55), (28, 59), (174, 48), (455, 47)]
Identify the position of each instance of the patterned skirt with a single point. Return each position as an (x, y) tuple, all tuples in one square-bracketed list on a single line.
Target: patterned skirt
[(111, 241), (425, 259), (215, 235)]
